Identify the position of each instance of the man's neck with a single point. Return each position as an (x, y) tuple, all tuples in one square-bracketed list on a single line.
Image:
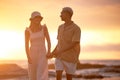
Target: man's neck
[(68, 22)]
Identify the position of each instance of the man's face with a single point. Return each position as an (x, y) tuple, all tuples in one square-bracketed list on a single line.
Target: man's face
[(64, 15)]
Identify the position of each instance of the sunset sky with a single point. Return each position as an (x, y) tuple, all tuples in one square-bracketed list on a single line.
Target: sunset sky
[(99, 21)]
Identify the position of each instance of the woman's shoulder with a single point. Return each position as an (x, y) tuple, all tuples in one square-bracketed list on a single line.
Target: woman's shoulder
[(44, 27), (27, 30)]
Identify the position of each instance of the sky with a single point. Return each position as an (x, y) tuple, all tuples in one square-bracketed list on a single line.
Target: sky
[(99, 21)]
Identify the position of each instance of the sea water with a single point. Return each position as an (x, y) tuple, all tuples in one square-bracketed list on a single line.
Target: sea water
[(101, 71), (24, 64)]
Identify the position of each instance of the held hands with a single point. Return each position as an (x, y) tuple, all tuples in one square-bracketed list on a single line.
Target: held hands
[(51, 55)]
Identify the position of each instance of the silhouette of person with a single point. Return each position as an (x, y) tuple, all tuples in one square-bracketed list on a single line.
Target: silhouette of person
[(68, 47), (35, 36)]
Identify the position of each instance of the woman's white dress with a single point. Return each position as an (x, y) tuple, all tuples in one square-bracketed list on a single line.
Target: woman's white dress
[(38, 70)]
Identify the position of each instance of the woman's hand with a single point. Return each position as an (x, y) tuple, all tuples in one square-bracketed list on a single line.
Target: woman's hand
[(29, 60), (49, 55)]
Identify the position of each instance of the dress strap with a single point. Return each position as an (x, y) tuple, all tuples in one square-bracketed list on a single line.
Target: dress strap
[(28, 29), (43, 26)]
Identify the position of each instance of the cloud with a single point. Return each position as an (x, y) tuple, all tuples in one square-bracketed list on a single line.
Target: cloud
[(98, 2), (98, 14), (109, 47)]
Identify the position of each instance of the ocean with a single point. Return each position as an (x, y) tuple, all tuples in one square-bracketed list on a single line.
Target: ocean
[(106, 72), (23, 63)]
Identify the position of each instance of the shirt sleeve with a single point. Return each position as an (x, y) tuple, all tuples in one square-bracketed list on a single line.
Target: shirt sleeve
[(77, 35)]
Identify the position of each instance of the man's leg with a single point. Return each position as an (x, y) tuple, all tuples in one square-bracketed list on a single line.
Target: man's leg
[(68, 76), (59, 75)]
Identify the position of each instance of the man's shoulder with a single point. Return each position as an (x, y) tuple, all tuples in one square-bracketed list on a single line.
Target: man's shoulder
[(76, 26), (61, 26)]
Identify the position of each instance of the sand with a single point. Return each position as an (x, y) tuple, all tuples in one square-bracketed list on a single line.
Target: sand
[(25, 78)]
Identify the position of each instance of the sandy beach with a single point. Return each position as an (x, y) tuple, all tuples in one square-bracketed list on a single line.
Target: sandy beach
[(24, 78)]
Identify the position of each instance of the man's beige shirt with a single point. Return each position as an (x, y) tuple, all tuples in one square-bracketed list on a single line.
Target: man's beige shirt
[(67, 35)]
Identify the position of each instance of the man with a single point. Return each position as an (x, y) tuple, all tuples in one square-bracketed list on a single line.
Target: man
[(68, 47)]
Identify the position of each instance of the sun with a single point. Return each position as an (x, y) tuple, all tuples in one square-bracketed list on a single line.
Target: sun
[(53, 38), (92, 38), (9, 42)]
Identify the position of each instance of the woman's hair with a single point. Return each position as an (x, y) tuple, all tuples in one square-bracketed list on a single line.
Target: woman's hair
[(34, 28)]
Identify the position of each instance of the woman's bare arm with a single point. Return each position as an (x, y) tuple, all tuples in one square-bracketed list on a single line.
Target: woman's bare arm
[(47, 38), (27, 45)]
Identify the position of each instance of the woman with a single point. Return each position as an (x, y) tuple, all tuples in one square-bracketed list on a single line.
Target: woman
[(36, 54)]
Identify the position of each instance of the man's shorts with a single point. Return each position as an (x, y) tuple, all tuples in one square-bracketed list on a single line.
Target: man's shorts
[(69, 68)]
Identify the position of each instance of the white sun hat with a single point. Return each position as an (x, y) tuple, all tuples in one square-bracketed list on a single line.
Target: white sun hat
[(34, 14)]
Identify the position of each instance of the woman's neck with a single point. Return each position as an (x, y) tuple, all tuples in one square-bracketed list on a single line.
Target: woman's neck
[(36, 27)]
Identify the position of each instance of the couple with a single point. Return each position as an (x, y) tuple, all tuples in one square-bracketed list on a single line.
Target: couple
[(66, 52)]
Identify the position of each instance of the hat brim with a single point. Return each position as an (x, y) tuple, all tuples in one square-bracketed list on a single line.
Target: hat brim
[(35, 17)]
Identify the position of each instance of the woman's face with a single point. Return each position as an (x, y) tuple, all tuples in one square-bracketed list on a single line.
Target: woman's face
[(37, 20)]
